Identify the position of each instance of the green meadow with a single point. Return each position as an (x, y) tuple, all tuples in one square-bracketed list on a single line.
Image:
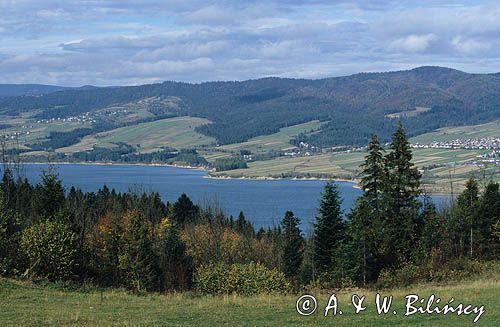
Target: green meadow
[(175, 132), (29, 304)]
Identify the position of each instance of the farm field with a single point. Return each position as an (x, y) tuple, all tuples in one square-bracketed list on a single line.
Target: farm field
[(463, 132), (441, 164), (175, 132), (277, 141), (51, 305)]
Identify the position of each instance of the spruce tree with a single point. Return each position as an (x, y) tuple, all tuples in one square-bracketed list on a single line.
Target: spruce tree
[(488, 215), (49, 196), (176, 265), (329, 230), (466, 215), (432, 230), (184, 211), (293, 245), (365, 234), (374, 174), (400, 201)]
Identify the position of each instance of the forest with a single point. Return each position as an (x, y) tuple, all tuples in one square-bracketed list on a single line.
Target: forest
[(393, 236), (352, 105)]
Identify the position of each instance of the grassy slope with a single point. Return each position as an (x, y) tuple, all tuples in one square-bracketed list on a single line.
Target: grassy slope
[(175, 132), (464, 132), (277, 141), (27, 304), (346, 166)]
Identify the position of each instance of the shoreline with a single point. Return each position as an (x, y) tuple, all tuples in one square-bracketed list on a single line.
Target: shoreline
[(208, 175)]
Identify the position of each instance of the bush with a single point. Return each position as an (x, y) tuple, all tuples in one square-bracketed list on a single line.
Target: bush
[(455, 270), (51, 250), (245, 279)]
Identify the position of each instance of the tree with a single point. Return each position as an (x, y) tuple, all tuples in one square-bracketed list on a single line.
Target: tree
[(10, 233), (328, 230), (49, 196), (51, 249), (293, 245), (466, 214), (138, 260), (374, 174), (400, 202), (432, 231), (184, 211), (365, 232), (176, 265), (365, 228), (487, 216)]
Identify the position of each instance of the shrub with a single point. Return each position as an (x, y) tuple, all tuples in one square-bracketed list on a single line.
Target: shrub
[(245, 279), (455, 270), (51, 250)]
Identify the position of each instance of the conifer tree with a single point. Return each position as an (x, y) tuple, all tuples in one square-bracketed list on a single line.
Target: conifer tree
[(365, 228), (488, 215), (432, 230), (184, 211), (293, 245), (176, 265), (374, 174), (465, 217), (329, 230), (10, 233), (49, 196), (400, 201), (138, 260), (365, 232)]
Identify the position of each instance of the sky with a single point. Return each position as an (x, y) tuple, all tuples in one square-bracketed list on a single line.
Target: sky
[(130, 42)]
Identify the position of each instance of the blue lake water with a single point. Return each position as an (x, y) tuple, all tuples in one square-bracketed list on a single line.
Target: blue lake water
[(263, 202)]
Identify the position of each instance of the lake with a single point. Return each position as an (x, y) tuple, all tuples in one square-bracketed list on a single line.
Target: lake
[(263, 202)]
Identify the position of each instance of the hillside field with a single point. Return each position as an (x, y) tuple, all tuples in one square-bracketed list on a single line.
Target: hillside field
[(463, 132), (28, 304), (441, 165), (175, 132)]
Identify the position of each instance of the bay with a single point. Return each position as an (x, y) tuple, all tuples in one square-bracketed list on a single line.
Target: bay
[(263, 202)]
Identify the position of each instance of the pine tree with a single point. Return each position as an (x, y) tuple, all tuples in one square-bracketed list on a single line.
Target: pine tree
[(293, 245), (329, 230)]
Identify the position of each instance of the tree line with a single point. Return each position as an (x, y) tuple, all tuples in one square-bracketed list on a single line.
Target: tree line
[(392, 235)]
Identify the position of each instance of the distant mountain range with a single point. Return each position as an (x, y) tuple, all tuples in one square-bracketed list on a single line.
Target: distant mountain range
[(352, 107), (35, 89)]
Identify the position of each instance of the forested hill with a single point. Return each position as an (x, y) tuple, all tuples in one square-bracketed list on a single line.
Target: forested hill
[(8, 90), (425, 98)]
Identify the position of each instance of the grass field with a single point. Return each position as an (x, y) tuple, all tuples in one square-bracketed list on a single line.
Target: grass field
[(28, 304), (277, 141), (446, 163), (175, 132), (464, 132)]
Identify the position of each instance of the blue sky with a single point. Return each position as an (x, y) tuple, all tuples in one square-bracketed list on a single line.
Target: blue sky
[(113, 42)]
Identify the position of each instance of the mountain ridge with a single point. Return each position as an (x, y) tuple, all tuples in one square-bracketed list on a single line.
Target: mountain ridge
[(354, 106)]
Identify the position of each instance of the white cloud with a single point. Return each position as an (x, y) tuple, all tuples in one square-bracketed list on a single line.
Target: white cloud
[(413, 43), (114, 42)]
